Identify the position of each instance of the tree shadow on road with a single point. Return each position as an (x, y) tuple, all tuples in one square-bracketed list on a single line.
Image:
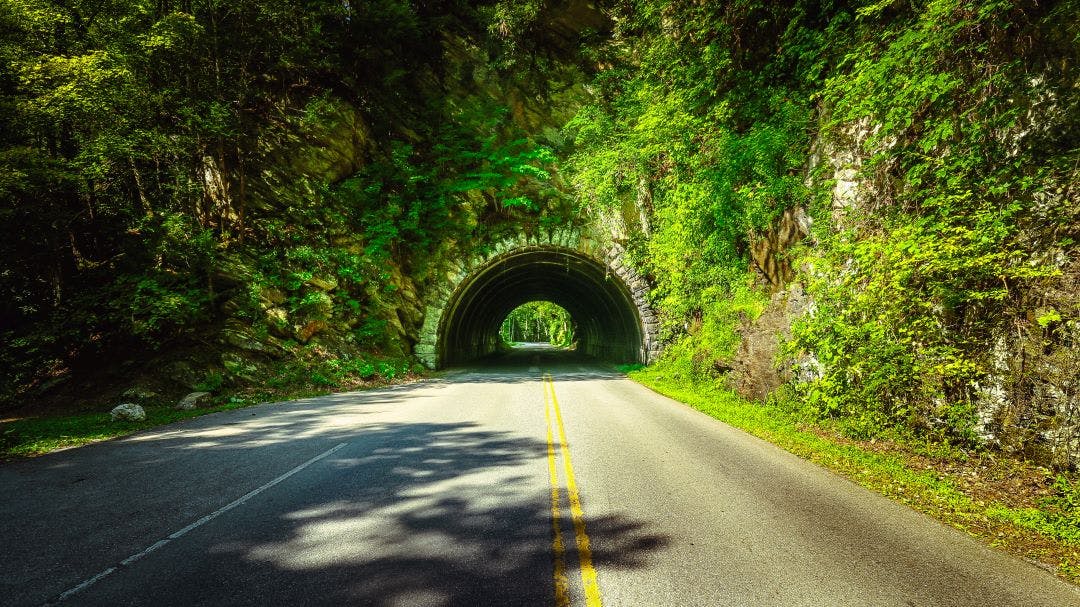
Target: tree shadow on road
[(405, 514)]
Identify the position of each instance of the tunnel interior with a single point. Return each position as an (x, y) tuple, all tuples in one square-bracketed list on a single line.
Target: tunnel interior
[(608, 322)]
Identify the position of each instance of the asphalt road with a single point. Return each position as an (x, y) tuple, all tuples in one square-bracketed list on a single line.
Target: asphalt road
[(441, 493)]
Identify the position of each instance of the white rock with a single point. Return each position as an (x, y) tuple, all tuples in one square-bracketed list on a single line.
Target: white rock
[(128, 412), (191, 401)]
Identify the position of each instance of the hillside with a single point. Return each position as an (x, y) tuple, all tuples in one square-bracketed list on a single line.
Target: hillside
[(865, 213)]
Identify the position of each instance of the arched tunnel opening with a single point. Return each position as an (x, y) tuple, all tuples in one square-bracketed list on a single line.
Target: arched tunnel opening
[(607, 320)]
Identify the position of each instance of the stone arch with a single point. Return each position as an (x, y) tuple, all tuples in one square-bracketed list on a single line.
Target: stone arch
[(607, 299)]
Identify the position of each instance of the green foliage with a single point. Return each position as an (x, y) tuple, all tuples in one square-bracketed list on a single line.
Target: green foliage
[(711, 337), (162, 165), (885, 303), (704, 137), (919, 282), (692, 134), (415, 198), (538, 321), (713, 119), (340, 372), (157, 308), (211, 382), (128, 134), (1057, 516)]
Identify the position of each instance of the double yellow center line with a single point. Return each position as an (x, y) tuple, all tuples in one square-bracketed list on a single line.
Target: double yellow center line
[(588, 573)]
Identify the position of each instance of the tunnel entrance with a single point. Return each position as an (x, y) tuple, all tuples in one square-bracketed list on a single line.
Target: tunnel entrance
[(612, 322)]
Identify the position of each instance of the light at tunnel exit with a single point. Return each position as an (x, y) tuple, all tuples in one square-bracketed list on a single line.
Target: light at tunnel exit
[(538, 322), (606, 323)]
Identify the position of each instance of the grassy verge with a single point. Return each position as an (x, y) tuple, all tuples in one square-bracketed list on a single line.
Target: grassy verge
[(1008, 504), (32, 436), (39, 435)]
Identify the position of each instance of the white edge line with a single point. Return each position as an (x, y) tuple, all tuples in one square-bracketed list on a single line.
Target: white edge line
[(202, 521)]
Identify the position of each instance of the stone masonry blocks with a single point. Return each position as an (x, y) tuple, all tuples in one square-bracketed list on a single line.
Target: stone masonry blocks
[(611, 257)]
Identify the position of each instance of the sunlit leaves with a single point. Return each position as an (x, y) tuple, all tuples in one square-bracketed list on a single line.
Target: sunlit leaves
[(84, 87), (715, 117), (173, 33), (538, 321), (712, 180), (421, 197)]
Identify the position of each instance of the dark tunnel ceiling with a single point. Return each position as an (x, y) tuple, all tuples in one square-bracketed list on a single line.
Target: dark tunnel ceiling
[(608, 322)]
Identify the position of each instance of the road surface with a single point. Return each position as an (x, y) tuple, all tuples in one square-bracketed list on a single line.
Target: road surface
[(538, 481)]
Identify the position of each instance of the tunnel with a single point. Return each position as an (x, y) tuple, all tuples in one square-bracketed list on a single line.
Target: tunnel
[(608, 321)]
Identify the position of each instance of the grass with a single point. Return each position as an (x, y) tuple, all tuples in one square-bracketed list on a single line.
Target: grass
[(33, 436), (313, 372), (39, 435), (1011, 505)]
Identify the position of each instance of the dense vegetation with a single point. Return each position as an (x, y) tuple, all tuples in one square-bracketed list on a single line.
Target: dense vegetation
[(283, 178), (936, 147), (538, 321), (863, 212), (891, 188), (178, 173)]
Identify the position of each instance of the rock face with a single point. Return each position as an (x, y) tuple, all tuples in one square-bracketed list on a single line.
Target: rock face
[(767, 251), (323, 284), (238, 335), (192, 401), (754, 372), (128, 412), (1025, 392), (310, 329), (1029, 401), (182, 373)]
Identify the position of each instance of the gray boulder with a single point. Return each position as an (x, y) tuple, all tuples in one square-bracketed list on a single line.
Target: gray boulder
[(192, 401), (129, 412)]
